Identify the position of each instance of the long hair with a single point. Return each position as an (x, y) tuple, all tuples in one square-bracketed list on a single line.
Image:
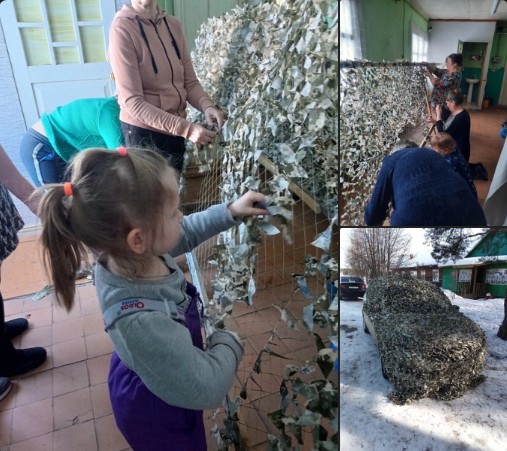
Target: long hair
[(111, 194)]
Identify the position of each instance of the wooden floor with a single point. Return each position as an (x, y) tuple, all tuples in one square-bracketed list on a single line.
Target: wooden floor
[(486, 144)]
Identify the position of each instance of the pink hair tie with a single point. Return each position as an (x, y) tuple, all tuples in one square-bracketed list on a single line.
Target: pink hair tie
[(67, 189), (122, 150)]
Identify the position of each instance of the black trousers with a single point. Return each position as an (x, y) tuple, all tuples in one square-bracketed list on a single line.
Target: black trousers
[(170, 146), (6, 347)]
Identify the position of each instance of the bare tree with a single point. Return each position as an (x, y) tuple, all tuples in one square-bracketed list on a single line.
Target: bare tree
[(372, 252)]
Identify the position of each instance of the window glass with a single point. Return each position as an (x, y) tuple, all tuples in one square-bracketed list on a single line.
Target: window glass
[(350, 46), (419, 44)]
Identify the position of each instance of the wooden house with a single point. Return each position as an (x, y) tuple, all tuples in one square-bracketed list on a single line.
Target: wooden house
[(421, 266), (482, 271)]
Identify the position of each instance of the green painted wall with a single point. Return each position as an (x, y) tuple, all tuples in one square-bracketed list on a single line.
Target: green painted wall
[(471, 68), (193, 13), (492, 245), (449, 275), (496, 65), (386, 29), (498, 291)]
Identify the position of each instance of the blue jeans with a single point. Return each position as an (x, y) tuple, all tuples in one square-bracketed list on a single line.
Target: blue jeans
[(41, 161)]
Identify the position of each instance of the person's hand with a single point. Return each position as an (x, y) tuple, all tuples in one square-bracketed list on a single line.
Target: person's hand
[(214, 117), (199, 135), (249, 204), (438, 110)]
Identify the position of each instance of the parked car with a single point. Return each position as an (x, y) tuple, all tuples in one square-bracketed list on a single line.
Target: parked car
[(427, 347), (351, 287)]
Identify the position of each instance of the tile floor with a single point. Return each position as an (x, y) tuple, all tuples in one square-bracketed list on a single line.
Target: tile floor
[(64, 405)]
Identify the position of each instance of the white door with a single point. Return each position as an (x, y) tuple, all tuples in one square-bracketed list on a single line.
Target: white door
[(57, 50)]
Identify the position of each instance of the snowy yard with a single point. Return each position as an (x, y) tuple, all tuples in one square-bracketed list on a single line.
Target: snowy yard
[(369, 421)]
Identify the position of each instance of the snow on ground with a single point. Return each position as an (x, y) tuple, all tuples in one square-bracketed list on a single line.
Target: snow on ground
[(369, 421)]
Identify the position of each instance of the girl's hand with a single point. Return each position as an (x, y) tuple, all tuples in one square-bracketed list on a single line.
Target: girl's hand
[(249, 204), (199, 135), (214, 117)]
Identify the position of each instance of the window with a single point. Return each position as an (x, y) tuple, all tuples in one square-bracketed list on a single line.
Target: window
[(350, 46), (465, 275), (419, 44), (496, 276), (436, 275), (413, 274)]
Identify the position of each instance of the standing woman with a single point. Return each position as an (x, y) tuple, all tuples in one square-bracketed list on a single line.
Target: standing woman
[(444, 81), (457, 123), (13, 362), (155, 79)]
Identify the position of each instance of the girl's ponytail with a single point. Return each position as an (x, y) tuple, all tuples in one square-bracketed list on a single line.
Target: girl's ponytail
[(63, 252)]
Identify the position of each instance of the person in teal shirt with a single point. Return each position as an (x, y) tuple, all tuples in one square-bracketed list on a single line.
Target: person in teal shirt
[(48, 146)]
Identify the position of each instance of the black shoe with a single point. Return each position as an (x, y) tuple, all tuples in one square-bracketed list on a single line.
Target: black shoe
[(22, 361), (5, 387), (15, 327)]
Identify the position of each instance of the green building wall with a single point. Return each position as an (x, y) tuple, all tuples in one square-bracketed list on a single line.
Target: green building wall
[(387, 29), (498, 291)]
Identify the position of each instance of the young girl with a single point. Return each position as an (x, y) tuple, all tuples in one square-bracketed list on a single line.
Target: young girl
[(124, 207)]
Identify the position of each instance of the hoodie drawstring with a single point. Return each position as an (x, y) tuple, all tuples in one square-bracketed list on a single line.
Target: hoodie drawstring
[(177, 50), (143, 34)]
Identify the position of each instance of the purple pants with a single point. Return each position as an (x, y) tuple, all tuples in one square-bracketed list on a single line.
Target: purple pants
[(147, 422)]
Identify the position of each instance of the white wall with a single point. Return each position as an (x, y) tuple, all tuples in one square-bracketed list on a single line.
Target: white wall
[(444, 37)]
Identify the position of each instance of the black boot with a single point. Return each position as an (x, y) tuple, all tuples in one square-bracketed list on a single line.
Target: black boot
[(15, 327), (14, 362)]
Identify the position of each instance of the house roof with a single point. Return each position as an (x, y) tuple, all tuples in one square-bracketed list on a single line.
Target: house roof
[(478, 242), (473, 261), (421, 258)]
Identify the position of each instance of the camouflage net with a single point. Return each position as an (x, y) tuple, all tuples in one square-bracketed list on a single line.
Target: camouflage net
[(427, 347)]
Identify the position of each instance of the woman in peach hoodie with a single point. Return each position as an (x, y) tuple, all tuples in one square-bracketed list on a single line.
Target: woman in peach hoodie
[(155, 79)]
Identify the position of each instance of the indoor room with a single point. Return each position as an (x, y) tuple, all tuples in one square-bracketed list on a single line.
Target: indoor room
[(397, 62)]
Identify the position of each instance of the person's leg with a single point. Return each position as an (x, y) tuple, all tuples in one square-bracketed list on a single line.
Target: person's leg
[(14, 362), (171, 147), (41, 161)]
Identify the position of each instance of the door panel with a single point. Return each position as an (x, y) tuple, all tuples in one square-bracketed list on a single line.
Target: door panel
[(58, 51)]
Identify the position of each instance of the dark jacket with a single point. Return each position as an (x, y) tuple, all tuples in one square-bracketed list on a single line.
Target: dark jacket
[(424, 190), (459, 129), (459, 164)]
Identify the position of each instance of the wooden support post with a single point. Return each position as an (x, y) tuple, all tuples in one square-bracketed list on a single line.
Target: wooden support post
[(427, 136), (297, 190)]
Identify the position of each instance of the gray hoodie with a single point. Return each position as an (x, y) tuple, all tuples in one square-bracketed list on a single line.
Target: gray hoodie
[(157, 347)]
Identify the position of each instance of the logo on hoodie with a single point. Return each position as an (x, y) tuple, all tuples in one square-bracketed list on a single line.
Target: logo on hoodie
[(128, 304)]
